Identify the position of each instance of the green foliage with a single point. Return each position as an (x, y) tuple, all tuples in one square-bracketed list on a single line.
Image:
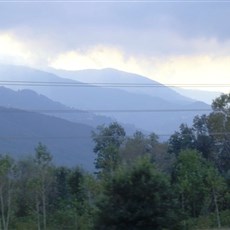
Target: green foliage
[(107, 143), (73, 205), (209, 221), (189, 179), (7, 186), (203, 142), (219, 130), (136, 197), (140, 145), (134, 147), (42, 155), (199, 186), (210, 135), (185, 139)]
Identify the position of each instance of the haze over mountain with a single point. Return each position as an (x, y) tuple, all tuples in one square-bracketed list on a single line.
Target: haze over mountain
[(137, 84), (130, 82), (150, 113), (69, 143), (205, 96), (29, 100)]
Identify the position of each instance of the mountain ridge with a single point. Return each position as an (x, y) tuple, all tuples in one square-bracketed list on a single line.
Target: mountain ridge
[(29, 100), (134, 83), (144, 111)]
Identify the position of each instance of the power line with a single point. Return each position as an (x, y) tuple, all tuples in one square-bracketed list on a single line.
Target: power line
[(15, 110), (3, 138), (109, 85)]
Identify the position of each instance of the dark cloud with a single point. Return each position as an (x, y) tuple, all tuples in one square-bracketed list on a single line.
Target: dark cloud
[(136, 26)]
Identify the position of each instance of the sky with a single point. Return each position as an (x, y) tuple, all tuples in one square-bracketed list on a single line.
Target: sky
[(172, 42)]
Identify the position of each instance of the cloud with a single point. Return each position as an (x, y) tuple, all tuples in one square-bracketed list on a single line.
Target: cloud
[(201, 71), (137, 27), (172, 43), (197, 70), (11, 50), (97, 57)]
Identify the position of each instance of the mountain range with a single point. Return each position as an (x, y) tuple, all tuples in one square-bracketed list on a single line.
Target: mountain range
[(61, 108), (138, 84), (129, 82), (153, 113), (29, 100)]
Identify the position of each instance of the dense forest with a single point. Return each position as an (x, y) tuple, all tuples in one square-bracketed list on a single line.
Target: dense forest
[(139, 182)]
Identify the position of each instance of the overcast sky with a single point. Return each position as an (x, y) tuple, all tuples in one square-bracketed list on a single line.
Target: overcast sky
[(178, 42)]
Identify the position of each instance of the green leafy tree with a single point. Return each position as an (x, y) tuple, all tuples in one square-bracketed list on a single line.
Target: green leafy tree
[(25, 193), (7, 182), (107, 143), (134, 147), (216, 188), (182, 140), (219, 128), (189, 178), (204, 141), (42, 181), (136, 197), (73, 209), (140, 145), (196, 137)]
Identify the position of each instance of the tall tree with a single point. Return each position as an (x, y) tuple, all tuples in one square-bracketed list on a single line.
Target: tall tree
[(136, 197), (219, 128), (42, 181), (134, 147), (182, 140), (140, 145), (189, 177), (25, 192), (204, 141), (107, 143), (7, 177), (216, 187)]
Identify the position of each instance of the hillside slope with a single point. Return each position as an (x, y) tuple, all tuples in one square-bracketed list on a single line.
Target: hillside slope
[(69, 143), (29, 100)]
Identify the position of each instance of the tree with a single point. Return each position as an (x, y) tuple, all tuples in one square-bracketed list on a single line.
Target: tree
[(136, 197), (134, 147), (72, 207), (42, 181), (197, 137), (185, 139), (7, 180), (107, 143), (219, 128), (216, 187), (140, 145), (204, 141), (188, 175), (25, 192), (76, 188)]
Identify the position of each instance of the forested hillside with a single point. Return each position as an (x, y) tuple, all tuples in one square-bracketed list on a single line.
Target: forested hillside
[(139, 182), (20, 132)]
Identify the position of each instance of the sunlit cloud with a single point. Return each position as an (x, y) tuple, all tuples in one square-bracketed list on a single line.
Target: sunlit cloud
[(200, 70), (188, 70), (97, 57), (192, 68), (11, 50)]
